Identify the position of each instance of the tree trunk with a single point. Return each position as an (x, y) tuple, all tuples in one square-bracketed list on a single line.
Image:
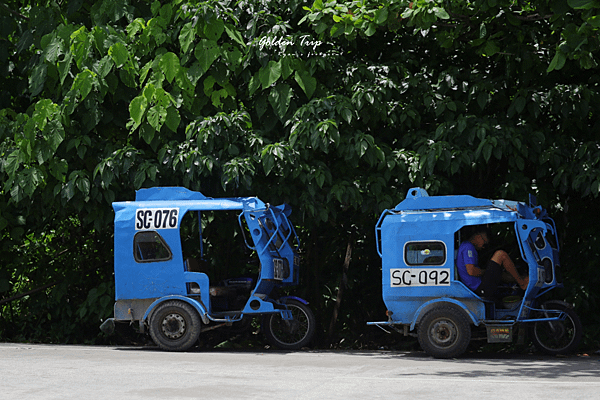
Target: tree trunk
[(340, 293)]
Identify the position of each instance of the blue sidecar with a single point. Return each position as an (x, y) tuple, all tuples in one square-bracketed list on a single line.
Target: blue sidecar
[(168, 292), (418, 242)]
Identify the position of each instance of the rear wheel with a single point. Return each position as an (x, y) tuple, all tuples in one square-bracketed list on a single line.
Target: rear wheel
[(290, 334), (557, 337), (175, 326), (444, 332)]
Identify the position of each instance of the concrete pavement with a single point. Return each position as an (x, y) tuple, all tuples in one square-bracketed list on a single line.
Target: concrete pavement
[(107, 372)]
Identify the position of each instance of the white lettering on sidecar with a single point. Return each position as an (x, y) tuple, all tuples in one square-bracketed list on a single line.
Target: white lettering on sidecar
[(419, 277), (156, 218)]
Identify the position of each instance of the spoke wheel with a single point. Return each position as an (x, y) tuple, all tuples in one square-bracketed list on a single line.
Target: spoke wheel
[(290, 334), (444, 332), (557, 337), (175, 326)]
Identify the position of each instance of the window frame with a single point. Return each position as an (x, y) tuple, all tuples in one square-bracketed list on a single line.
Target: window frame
[(425, 242), (161, 240)]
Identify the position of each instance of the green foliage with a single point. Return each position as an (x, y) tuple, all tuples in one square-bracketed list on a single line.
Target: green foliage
[(335, 107)]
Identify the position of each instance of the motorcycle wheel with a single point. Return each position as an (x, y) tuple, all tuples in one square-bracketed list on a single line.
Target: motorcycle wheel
[(557, 337), (290, 334)]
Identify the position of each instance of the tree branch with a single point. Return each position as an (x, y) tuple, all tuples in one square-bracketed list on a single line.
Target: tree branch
[(18, 296), (14, 12), (533, 17)]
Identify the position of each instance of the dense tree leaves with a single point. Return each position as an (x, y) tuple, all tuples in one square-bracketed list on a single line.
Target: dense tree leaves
[(335, 107)]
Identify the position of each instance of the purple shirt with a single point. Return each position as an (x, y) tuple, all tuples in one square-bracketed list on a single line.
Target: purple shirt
[(467, 254)]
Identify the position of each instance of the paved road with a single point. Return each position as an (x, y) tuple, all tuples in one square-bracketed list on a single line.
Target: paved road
[(93, 372)]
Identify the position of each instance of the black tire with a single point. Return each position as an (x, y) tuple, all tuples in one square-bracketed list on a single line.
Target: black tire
[(557, 337), (444, 332), (293, 334), (175, 326)]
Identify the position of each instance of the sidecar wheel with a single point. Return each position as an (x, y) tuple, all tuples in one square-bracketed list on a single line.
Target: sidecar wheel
[(444, 332), (557, 337), (293, 334), (175, 326)]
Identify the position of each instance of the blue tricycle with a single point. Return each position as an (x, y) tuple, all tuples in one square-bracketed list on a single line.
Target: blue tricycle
[(162, 283), (418, 242)]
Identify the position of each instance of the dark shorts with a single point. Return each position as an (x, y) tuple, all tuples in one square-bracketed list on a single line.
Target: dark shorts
[(490, 280)]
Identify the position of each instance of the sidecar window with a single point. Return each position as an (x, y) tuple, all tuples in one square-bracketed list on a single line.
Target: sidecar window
[(425, 253), (149, 246)]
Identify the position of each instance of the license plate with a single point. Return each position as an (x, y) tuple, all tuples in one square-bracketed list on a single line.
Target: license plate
[(409, 277), (499, 333)]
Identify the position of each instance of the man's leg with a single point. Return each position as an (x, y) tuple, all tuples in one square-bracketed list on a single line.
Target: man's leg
[(502, 258), (489, 281)]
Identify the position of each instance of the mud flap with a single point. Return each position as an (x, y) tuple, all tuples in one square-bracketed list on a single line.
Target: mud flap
[(108, 326)]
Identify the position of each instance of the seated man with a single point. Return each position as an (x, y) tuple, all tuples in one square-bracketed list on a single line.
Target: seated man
[(484, 282)]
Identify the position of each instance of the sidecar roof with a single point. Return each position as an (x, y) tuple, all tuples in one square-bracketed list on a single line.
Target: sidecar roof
[(417, 201)]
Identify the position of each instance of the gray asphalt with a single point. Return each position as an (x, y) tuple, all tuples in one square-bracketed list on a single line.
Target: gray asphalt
[(102, 372)]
